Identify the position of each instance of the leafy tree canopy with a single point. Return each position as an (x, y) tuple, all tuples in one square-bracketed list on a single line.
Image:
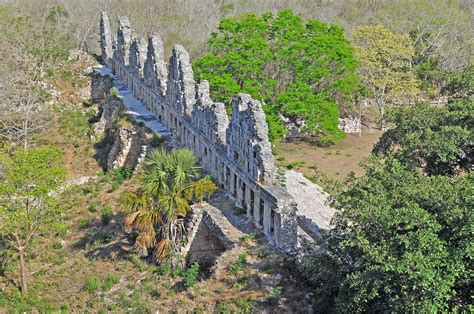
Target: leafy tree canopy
[(402, 238), (440, 140), (385, 65), (404, 242), (297, 69)]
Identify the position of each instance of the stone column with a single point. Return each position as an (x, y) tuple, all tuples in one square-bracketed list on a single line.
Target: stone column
[(232, 185), (239, 193), (248, 201), (267, 219), (277, 229), (287, 234), (256, 210)]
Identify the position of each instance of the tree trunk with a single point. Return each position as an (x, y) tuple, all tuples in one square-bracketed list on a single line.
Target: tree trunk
[(21, 252), (381, 104)]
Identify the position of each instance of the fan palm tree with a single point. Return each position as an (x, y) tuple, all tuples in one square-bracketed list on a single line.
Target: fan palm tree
[(157, 210)]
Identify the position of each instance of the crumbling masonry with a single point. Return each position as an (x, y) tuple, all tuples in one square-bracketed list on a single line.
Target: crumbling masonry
[(237, 153)]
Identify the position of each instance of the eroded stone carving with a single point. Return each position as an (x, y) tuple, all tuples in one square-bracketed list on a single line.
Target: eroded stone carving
[(155, 72), (247, 139), (105, 38), (138, 53), (180, 88), (122, 42), (209, 117)]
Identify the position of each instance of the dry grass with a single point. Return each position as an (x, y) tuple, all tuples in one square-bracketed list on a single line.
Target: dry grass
[(335, 161), (62, 262)]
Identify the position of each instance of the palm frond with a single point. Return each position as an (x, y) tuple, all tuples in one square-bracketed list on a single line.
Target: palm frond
[(134, 201), (161, 250), (143, 242), (149, 219), (129, 221)]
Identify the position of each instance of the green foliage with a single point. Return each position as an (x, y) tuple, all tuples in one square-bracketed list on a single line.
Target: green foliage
[(27, 178), (238, 265), (439, 140), (409, 243), (385, 65), (459, 83), (92, 284), (118, 175), (114, 92), (402, 239), (300, 70), (75, 124), (191, 275), (106, 215), (17, 303), (295, 164), (276, 293), (171, 184)]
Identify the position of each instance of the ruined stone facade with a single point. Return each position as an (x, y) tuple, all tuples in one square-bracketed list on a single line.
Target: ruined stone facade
[(350, 124), (236, 153)]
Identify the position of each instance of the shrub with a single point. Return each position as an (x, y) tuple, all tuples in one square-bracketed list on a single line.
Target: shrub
[(276, 293), (238, 265), (295, 164), (120, 174), (191, 275), (114, 92), (92, 284), (106, 215)]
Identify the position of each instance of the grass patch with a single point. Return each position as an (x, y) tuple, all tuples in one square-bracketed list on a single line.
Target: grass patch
[(106, 215), (238, 265), (109, 282), (92, 284)]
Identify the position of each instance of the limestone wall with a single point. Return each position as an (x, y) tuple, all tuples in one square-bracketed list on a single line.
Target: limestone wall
[(236, 153), (350, 124)]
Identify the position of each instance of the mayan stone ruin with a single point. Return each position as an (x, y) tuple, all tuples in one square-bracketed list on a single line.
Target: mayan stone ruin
[(235, 151)]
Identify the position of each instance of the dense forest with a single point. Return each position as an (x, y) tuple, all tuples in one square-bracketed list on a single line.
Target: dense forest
[(402, 236)]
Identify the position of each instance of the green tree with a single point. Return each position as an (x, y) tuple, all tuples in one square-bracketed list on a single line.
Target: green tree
[(27, 178), (171, 183), (439, 140), (399, 247), (385, 65), (402, 238), (297, 69)]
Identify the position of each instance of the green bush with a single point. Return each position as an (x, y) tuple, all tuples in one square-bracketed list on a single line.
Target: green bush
[(191, 275), (114, 92), (238, 265), (118, 175), (83, 223)]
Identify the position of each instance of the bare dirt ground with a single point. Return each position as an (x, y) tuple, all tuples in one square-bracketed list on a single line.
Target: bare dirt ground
[(335, 161)]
